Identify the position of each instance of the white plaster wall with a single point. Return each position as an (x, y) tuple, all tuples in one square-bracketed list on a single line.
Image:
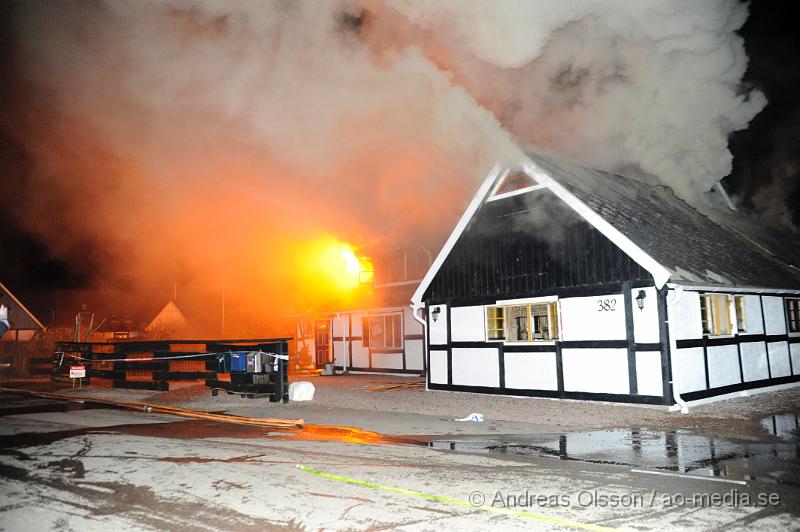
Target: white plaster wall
[(476, 366), (438, 367), (414, 354), (467, 324), (645, 321), (357, 324), (596, 370), (338, 353), (778, 358), (337, 327), (387, 360), (648, 373), (360, 355), (688, 369), (723, 365), (684, 316), (531, 371), (411, 325), (795, 353), (754, 361), (582, 319), (774, 315), (438, 327), (752, 315)]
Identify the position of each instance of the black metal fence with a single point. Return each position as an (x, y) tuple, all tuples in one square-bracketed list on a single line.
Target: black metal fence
[(169, 364)]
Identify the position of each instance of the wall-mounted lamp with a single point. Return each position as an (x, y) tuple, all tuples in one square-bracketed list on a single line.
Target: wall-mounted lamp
[(435, 313), (640, 299)]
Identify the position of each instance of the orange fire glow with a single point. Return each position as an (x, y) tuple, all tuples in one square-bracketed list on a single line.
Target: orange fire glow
[(330, 263)]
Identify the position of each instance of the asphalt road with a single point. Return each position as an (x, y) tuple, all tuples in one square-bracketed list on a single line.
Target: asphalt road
[(67, 468)]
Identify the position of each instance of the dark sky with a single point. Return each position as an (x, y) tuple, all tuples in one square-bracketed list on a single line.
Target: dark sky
[(766, 156)]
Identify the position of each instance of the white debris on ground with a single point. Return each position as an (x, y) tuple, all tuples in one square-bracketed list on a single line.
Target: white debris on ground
[(301, 391)]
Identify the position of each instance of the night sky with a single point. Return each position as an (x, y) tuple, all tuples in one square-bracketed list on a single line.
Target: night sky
[(766, 155)]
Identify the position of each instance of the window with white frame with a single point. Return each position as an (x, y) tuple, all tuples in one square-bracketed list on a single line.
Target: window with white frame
[(715, 314), (383, 331), (793, 313), (527, 322)]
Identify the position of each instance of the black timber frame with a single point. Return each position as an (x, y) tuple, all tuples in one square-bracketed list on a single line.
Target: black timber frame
[(662, 347)]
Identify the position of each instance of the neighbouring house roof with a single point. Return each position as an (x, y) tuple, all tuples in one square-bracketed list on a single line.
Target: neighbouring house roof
[(666, 236), (19, 316), (170, 318)]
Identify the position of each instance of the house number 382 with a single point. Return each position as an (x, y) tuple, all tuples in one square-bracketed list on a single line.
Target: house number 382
[(606, 305)]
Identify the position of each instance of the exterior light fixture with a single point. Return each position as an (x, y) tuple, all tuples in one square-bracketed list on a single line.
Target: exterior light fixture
[(435, 313), (640, 299)]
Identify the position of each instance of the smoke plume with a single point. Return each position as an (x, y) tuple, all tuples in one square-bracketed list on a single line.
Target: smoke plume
[(207, 143)]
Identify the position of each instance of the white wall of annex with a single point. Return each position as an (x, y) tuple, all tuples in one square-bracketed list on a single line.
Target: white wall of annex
[(723, 365), (795, 353), (648, 373), (645, 321), (688, 369), (357, 318), (339, 352), (438, 367), (340, 325), (596, 370), (360, 355), (467, 324), (476, 366), (778, 358), (414, 354), (410, 325), (774, 315), (387, 360), (438, 327), (684, 316), (531, 371), (583, 318), (754, 361)]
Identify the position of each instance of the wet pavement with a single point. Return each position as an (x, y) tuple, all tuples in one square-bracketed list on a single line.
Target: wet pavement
[(85, 467), (668, 451)]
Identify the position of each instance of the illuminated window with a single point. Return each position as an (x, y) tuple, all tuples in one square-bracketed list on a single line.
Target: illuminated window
[(741, 318), (495, 325), (533, 322), (382, 331), (793, 313), (715, 314)]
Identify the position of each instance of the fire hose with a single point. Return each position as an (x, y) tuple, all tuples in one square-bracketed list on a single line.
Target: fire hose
[(161, 409)]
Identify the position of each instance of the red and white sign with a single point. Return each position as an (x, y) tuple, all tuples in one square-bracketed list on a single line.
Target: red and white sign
[(77, 372)]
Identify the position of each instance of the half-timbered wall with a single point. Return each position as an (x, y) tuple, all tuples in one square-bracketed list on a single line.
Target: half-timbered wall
[(764, 354)]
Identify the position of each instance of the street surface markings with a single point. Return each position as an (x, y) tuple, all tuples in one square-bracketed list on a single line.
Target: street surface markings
[(457, 502), (690, 477)]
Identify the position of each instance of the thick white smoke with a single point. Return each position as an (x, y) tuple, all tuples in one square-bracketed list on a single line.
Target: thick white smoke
[(180, 134), (647, 87)]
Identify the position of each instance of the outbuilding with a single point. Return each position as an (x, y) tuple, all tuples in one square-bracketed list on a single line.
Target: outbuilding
[(23, 325), (565, 282), (382, 337)]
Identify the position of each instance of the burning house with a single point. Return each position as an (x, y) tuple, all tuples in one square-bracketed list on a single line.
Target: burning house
[(560, 281), (373, 333)]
